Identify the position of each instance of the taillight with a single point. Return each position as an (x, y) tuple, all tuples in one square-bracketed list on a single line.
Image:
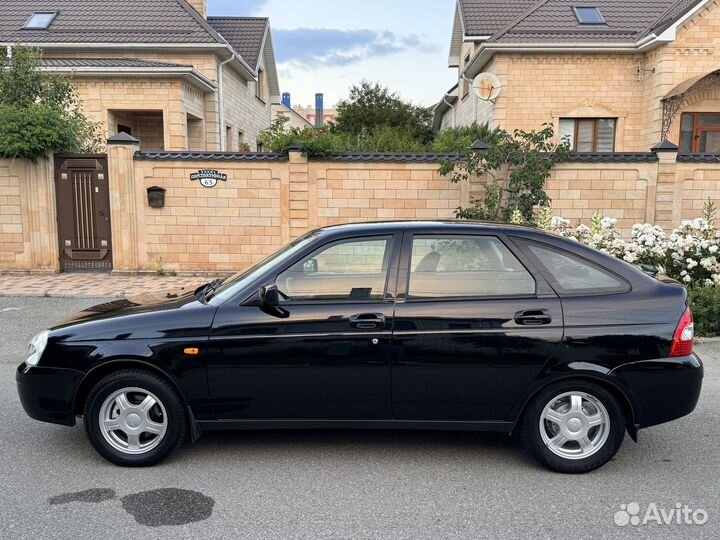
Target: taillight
[(682, 344)]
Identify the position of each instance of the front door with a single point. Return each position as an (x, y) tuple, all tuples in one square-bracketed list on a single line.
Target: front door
[(83, 210), (473, 328), (324, 352)]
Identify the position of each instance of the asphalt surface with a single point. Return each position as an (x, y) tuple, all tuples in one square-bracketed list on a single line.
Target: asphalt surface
[(340, 484)]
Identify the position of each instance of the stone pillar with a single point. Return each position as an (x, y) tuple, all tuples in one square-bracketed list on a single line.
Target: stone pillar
[(40, 211), (668, 192), (124, 194), (299, 192)]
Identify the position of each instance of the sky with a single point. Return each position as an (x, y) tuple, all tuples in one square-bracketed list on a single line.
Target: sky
[(329, 45)]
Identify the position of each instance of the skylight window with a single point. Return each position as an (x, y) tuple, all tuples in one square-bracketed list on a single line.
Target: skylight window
[(40, 20), (588, 15)]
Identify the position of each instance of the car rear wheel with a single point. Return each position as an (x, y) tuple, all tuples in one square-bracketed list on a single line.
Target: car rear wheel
[(134, 418), (573, 427)]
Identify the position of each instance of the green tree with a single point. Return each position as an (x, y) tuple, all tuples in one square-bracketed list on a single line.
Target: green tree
[(371, 106), (516, 168), (40, 112)]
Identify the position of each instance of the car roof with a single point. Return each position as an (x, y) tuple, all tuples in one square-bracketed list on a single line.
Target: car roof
[(441, 225)]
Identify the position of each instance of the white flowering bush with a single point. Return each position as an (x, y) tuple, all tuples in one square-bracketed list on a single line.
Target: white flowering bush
[(691, 253)]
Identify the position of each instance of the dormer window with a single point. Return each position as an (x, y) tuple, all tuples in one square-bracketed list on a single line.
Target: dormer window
[(588, 15), (40, 20)]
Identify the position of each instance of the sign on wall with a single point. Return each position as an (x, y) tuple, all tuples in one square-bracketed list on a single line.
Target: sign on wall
[(208, 177)]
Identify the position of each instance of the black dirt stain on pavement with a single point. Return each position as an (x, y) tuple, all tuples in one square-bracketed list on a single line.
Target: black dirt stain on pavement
[(168, 506), (96, 495)]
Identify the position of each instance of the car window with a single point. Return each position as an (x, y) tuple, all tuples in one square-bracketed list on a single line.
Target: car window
[(574, 275), (353, 269), (465, 266)]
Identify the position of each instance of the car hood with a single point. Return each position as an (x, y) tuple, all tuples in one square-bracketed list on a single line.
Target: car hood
[(156, 315)]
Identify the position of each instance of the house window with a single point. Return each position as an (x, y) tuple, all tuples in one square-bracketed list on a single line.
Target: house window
[(260, 86), (228, 138), (589, 134), (588, 15), (40, 20), (700, 133), (465, 84)]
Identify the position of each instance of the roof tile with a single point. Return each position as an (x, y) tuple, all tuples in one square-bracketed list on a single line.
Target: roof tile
[(245, 35), (101, 21)]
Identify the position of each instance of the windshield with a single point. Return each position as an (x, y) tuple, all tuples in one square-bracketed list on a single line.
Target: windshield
[(234, 284)]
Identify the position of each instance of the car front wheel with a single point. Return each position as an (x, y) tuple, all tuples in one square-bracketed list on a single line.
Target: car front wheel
[(134, 418), (573, 427)]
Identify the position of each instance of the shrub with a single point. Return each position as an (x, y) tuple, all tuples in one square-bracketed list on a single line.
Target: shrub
[(690, 254), (705, 305), (459, 139)]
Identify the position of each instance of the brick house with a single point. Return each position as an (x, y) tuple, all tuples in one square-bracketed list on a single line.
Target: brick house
[(610, 75), (161, 70)]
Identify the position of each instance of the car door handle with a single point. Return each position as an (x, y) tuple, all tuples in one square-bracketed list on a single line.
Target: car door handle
[(533, 317), (367, 321)]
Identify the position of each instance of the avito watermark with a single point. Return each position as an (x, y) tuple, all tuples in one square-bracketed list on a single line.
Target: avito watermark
[(680, 514)]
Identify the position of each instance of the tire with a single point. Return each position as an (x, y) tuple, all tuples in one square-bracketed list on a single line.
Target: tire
[(135, 418), (586, 430)]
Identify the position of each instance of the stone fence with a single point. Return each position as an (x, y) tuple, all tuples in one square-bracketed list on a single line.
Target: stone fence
[(258, 202)]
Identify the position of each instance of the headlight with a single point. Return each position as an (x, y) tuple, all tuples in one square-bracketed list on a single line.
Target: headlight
[(37, 347)]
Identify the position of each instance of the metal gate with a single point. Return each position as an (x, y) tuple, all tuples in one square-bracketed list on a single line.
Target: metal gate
[(83, 210)]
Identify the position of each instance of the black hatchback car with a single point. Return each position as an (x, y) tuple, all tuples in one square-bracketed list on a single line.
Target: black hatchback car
[(407, 325)]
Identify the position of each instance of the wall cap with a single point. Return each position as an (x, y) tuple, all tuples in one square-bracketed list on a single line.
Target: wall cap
[(123, 138), (665, 146)]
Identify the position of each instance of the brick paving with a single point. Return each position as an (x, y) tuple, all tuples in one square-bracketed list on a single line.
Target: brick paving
[(90, 285)]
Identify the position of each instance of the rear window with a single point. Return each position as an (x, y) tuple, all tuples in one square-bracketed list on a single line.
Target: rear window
[(571, 274)]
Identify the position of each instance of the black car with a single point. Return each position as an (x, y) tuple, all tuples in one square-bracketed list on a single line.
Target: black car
[(410, 325)]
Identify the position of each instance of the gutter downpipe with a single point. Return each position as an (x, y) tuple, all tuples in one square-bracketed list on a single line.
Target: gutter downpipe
[(452, 108), (221, 103)]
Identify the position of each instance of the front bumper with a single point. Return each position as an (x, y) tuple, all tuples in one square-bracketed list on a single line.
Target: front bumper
[(48, 394), (660, 390)]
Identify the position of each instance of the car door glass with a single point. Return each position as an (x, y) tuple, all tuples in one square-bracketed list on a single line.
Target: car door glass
[(465, 266), (346, 270), (573, 275)]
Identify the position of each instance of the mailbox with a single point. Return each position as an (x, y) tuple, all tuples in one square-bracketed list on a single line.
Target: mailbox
[(156, 197)]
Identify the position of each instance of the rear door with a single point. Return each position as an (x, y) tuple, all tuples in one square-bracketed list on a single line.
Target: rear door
[(473, 327)]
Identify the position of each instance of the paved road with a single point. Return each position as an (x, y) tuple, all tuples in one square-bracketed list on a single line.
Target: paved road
[(338, 484)]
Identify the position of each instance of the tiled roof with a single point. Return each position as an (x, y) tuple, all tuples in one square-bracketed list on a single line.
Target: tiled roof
[(104, 63), (485, 17), (209, 156), (699, 158), (392, 157), (106, 21), (380, 157), (613, 157), (245, 35), (546, 21)]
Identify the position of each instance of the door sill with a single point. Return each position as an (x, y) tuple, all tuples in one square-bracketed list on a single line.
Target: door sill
[(448, 425)]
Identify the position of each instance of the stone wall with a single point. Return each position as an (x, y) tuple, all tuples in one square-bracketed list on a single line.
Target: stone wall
[(270, 199)]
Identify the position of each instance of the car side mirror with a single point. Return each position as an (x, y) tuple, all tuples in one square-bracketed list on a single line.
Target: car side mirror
[(310, 266), (270, 296)]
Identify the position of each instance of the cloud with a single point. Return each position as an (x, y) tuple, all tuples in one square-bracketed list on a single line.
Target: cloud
[(329, 47), (231, 8)]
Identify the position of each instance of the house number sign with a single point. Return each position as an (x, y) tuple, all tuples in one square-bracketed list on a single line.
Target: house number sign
[(208, 177)]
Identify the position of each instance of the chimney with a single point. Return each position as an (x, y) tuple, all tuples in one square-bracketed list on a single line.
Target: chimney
[(286, 100), (200, 6), (319, 110)]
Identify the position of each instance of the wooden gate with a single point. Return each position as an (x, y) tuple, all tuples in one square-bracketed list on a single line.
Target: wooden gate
[(83, 210)]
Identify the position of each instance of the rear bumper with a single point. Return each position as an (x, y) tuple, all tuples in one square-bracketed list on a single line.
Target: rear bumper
[(660, 390), (47, 394)]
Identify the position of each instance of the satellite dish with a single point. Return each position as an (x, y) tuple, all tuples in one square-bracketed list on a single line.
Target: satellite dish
[(487, 87)]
